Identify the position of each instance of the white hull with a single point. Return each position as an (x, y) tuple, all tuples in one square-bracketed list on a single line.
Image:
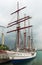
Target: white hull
[(20, 55)]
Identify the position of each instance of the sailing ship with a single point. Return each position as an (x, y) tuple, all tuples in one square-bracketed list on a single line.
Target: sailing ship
[(24, 53)]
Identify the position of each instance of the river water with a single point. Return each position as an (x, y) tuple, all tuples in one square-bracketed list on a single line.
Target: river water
[(35, 61)]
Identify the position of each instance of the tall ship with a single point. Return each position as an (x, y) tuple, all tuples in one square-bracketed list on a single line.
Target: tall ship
[(24, 53), (21, 53)]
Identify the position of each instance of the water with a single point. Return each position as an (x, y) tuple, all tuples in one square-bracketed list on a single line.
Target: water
[(36, 61)]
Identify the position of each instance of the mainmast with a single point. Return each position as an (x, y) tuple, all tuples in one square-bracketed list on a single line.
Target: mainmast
[(18, 32)]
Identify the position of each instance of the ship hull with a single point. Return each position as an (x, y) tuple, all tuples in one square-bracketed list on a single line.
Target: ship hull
[(15, 61), (23, 58)]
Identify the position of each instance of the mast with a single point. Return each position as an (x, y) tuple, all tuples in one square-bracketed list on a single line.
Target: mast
[(24, 34), (29, 37), (18, 32), (32, 39)]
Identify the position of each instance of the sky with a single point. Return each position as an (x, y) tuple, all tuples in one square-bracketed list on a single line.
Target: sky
[(33, 8)]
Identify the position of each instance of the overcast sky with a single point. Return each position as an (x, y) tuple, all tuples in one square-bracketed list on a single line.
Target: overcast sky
[(33, 8)]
